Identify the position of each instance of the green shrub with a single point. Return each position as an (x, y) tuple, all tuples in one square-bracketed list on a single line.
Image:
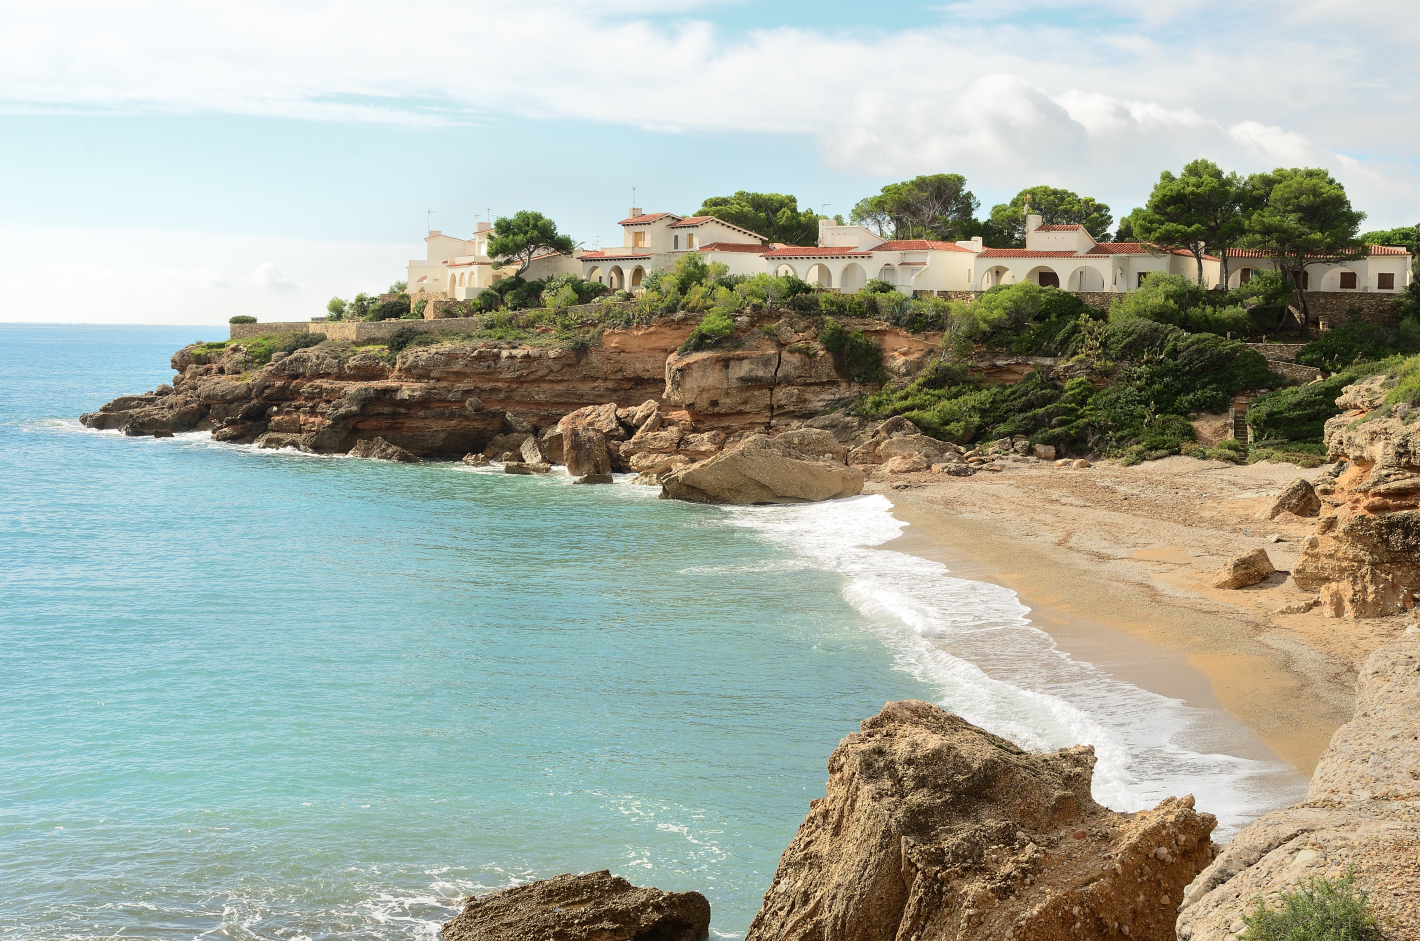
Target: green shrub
[(335, 309), (405, 337), (1358, 342), (855, 355), (878, 286), (241, 318), (392, 309), (1298, 414), (1181, 302), (1320, 910), (713, 327), (419, 307)]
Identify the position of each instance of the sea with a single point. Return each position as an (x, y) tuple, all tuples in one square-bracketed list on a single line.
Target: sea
[(268, 695)]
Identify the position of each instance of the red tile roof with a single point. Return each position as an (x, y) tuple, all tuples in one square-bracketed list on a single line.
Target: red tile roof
[(733, 247), (1388, 250), (919, 245), (1023, 253), (1058, 228), (1375, 250), (1139, 248), (810, 251), (694, 221), (647, 217), (602, 254)]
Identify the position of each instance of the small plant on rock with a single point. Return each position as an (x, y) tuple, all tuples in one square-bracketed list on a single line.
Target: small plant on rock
[(1321, 910)]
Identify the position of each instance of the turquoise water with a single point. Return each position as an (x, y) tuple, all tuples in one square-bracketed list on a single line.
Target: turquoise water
[(276, 696), (250, 694)]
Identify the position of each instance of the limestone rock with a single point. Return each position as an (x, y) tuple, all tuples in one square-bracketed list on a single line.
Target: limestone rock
[(1046, 452), (705, 444), (550, 443), (1243, 570), (596, 906), (530, 451), (502, 444), (1362, 810), (595, 479), (954, 469), (476, 460), (907, 464), (515, 423), (935, 830), (381, 450), (584, 451), (761, 470), (815, 442), (1298, 497), (526, 467)]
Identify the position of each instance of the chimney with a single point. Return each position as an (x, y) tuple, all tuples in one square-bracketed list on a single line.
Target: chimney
[(482, 227), (1032, 222), (633, 212)]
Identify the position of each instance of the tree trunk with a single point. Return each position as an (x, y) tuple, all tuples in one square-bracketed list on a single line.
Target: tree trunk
[(1198, 257), (1223, 276)]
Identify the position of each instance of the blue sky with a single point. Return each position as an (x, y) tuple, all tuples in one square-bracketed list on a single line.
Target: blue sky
[(173, 162)]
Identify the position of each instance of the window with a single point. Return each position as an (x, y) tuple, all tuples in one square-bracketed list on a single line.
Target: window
[(1304, 280), (1348, 280), (675, 241), (1142, 276), (638, 239), (1049, 279), (690, 240), (1245, 276), (1386, 282)]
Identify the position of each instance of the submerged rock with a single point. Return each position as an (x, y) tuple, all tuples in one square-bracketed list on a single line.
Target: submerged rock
[(381, 450), (761, 470), (933, 829), (593, 907)]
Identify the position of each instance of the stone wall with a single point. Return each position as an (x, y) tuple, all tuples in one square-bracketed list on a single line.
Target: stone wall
[(1286, 352), (1294, 371), (242, 330), (1333, 308), (350, 331)]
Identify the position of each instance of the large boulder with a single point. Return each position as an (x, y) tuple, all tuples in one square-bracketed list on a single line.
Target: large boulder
[(762, 470), (935, 830), (584, 451), (1243, 570), (817, 443), (1362, 814), (596, 906), (1298, 498)]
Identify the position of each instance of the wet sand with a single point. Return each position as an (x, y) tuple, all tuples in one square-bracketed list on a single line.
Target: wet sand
[(1116, 564)]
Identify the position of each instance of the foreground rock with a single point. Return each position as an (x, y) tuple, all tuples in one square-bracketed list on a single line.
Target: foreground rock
[(1244, 570), (762, 470), (1298, 498), (933, 829), (1363, 810), (1364, 558), (593, 907)]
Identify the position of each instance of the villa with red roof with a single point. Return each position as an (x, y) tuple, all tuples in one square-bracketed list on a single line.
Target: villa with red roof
[(653, 241)]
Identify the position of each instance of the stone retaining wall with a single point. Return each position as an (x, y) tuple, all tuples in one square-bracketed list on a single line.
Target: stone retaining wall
[(350, 331), (1286, 352), (1333, 308), (242, 330), (1295, 371)]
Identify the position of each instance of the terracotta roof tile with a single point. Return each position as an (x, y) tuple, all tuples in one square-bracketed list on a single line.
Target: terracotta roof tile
[(603, 255), (1388, 250), (1024, 253), (647, 217), (745, 247), (694, 221), (919, 245), (810, 251), (1058, 228)]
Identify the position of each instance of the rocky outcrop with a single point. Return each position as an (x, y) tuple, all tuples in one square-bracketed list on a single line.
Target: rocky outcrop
[(933, 829), (1364, 558), (596, 906), (762, 470), (381, 450), (1298, 498), (1362, 812), (1243, 570)]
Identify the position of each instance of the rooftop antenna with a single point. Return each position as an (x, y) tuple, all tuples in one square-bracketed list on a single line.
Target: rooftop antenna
[(429, 220)]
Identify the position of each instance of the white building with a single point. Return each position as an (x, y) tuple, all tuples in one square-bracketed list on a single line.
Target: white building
[(460, 268), (653, 242), (1386, 269)]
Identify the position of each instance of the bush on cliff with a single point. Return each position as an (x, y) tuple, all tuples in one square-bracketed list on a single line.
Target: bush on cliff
[(855, 354), (713, 327), (260, 349), (1030, 320), (392, 309), (1294, 418), (1359, 342), (1320, 910), (241, 318), (1182, 302)]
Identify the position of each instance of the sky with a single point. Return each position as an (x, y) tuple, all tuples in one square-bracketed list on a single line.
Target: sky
[(173, 162)]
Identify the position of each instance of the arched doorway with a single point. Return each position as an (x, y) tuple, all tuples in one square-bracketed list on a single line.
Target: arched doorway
[(1085, 279), (820, 275), (995, 276), (853, 278), (1045, 276), (616, 279), (785, 271), (595, 274), (637, 274), (887, 273)]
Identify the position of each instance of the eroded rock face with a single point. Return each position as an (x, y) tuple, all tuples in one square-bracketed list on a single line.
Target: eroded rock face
[(933, 829), (596, 906), (762, 470), (381, 450), (1364, 558), (1362, 810)]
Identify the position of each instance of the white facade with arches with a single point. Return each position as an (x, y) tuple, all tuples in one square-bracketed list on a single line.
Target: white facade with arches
[(1386, 269), (459, 268), (653, 242)]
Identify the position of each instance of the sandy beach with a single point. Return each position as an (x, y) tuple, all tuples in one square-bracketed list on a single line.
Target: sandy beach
[(1116, 563)]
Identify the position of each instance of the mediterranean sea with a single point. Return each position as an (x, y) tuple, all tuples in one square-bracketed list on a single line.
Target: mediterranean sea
[(252, 694)]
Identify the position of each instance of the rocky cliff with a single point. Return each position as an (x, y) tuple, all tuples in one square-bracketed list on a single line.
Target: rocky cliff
[(1362, 812), (933, 829), (457, 397), (1364, 558)]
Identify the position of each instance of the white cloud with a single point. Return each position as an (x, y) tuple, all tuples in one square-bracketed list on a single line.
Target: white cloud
[(268, 275), (1100, 96)]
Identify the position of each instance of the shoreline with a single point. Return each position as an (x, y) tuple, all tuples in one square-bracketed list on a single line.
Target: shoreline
[(1115, 564)]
